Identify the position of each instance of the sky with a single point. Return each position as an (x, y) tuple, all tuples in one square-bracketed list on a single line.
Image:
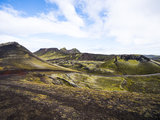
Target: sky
[(95, 26)]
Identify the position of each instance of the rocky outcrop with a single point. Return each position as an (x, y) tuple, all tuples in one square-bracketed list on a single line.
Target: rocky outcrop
[(140, 58), (12, 49), (95, 57), (72, 51), (43, 51)]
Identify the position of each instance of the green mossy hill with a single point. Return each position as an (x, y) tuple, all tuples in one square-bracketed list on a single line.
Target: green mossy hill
[(85, 62), (132, 64), (88, 81), (15, 56), (72, 51), (24, 99), (142, 84), (89, 67), (133, 83), (112, 64), (53, 54), (46, 50)]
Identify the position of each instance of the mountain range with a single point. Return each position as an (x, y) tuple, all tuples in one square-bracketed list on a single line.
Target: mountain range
[(118, 64)]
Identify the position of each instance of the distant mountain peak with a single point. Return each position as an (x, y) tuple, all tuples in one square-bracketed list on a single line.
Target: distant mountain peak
[(63, 49), (12, 48), (74, 50), (10, 43), (49, 49), (71, 51)]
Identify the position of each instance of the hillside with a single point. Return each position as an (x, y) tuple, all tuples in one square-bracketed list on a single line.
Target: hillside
[(132, 64), (101, 64), (85, 62), (14, 56), (54, 54)]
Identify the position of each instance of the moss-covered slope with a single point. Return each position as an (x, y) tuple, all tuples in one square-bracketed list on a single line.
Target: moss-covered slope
[(130, 66), (101, 64), (14, 56)]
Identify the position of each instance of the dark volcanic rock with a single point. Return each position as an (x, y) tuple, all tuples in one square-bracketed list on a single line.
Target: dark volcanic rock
[(43, 51), (12, 49), (72, 51), (135, 57), (95, 57)]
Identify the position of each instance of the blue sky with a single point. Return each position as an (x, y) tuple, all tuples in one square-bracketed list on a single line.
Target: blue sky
[(97, 26)]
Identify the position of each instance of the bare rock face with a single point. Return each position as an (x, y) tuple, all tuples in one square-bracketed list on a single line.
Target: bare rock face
[(43, 51), (72, 51), (12, 49), (140, 58), (63, 49), (95, 57)]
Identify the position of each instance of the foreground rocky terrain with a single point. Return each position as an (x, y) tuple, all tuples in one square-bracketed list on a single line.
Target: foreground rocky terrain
[(26, 98)]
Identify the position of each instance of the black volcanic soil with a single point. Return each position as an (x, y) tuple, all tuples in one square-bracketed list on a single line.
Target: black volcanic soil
[(22, 99)]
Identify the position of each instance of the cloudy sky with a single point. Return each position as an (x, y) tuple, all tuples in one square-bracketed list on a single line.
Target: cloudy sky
[(97, 26)]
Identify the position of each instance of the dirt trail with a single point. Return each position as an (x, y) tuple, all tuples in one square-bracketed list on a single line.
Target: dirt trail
[(155, 62), (146, 75)]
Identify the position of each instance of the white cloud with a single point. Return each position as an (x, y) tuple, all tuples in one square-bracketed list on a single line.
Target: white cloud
[(68, 10), (6, 38), (134, 21), (128, 21), (15, 24), (9, 9), (93, 8)]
